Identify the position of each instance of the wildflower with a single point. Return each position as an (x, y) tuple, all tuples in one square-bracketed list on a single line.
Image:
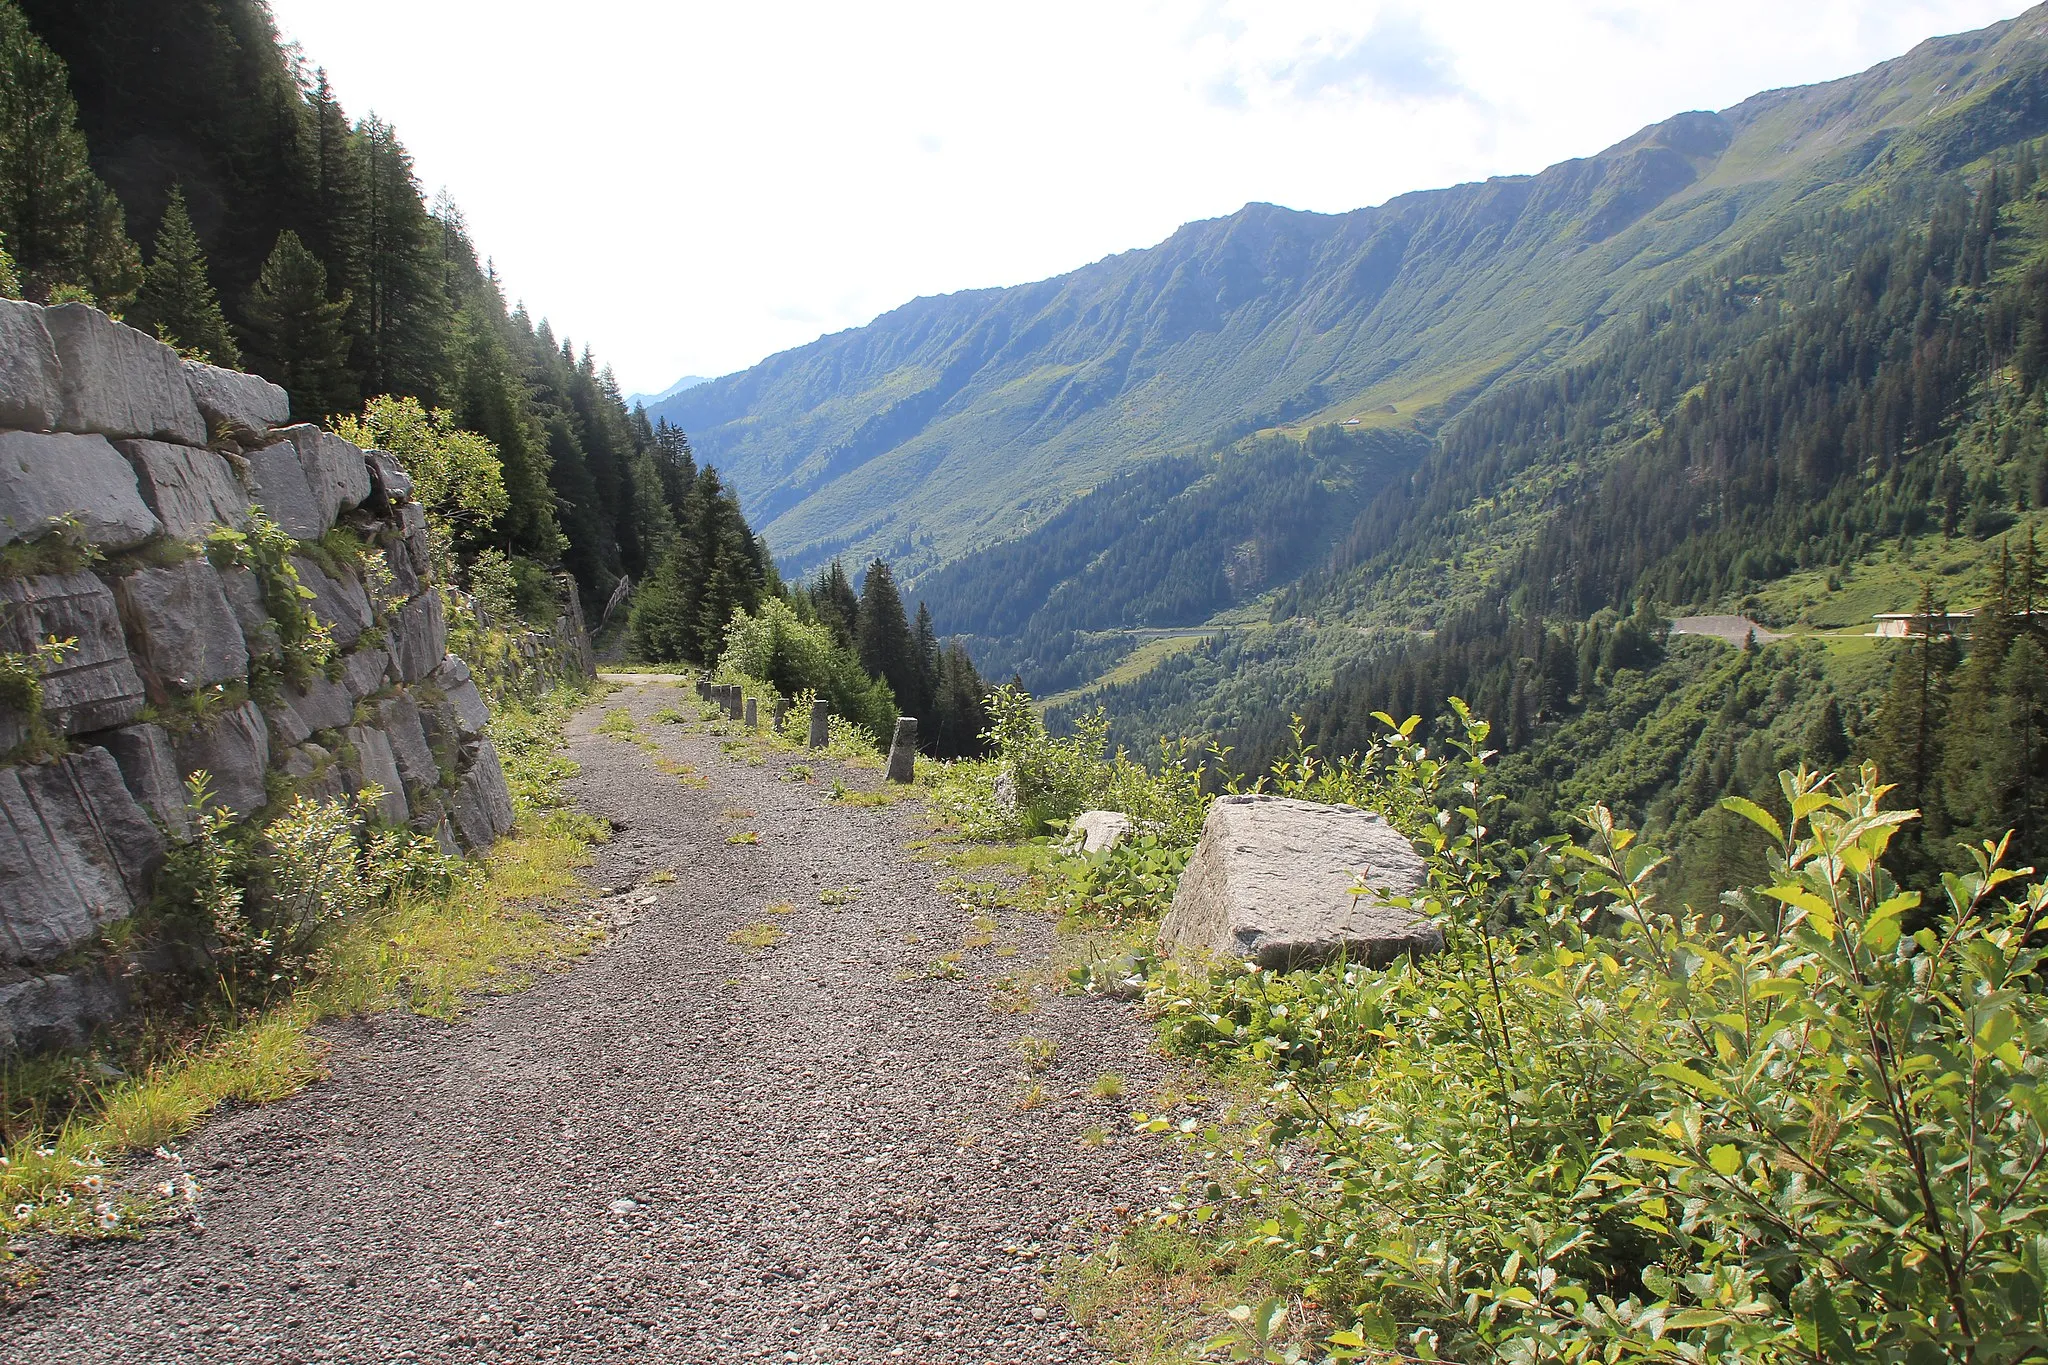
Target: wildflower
[(23, 1210), (91, 1182)]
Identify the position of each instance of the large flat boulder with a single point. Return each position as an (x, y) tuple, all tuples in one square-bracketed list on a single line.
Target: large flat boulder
[(119, 382), (335, 471), (277, 484), (191, 491), (181, 626), (339, 602), (76, 854), (94, 683), (419, 637), (234, 750), (232, 401), (31, 381), (1272, 878), (47, 478)]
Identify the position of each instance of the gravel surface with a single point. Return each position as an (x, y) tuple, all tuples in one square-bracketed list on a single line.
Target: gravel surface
[(677, 1150)]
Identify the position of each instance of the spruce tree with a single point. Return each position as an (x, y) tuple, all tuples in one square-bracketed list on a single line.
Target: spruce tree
[(297, 335), (177, 299), (1907, 736), (837, 604), (883, 638), (1826, 742), (924, 651)]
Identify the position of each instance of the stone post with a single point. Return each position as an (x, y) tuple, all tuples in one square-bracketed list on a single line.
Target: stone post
[(781, 711), (753, 715), (821, 733), (903, 751)]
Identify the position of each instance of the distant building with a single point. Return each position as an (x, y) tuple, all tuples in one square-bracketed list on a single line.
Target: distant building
[(1905, 625)]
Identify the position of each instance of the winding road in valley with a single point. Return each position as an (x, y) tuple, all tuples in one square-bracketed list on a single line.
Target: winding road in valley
[(685, 1147)]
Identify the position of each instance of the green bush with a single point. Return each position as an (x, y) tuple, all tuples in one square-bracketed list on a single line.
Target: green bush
[(1596, 1129), (794, 656), (1133, 881)]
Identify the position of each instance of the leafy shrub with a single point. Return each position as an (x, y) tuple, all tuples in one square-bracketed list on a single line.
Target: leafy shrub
[(794, 657), (1133, 881), (266, 550), (1595, 1129)]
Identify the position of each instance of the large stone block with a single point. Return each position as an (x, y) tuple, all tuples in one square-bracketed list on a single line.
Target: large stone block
[(335, 471), (399, 718), (191, 491), (234, 749), (315, 774), (406, 581), (149, 769), (76, 854), (390, 485), (1093, 831), (366, 671), (340, 602), (277, 483), (1272, 880), (31, 381), (419, 637), (245, 599), (93, 684), (60, 1010), (118, 382), (323, 705), (452, 677), (374, 762), (181, 626), (232, 401), (412, 521), (49, 477), (483, 803)]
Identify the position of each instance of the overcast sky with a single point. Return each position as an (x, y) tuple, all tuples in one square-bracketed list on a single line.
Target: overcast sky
[(692, 186)]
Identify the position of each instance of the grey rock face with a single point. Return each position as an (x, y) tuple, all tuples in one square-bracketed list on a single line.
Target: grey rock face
[(405, 579), (181, 626), (287, 727), (76, 853), (335, 471), (374, 762), (903, 751), (118, 382), (399, 719), (471, 715), (341, 603), (322, 704), (277, 484), (390, 485), (245, 599), (1093, 831), (149, 767), (419, 638), (191, 491), (483, 803), (59, 1010), (31, 382), (235, 752), (94, 685), (1271, 880), (365, 671), (233, 401), (315, 774), (412, 519), (46, 477)]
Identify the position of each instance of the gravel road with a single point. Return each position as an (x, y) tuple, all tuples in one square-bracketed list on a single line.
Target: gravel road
[(679, 1149)]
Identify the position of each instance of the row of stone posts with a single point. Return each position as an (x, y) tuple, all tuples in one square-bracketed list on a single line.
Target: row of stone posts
[(732, 700)]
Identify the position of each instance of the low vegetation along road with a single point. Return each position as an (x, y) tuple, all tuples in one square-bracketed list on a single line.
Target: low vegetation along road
[(767, 1121)]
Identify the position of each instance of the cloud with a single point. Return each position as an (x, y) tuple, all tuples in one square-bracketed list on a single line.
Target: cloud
[(1225, 91), (1395, 59)]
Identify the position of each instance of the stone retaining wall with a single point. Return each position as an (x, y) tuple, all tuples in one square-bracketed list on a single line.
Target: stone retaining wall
[(117, 461)]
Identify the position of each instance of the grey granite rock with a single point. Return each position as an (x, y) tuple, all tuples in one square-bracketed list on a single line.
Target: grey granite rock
[(49, 477), (390, 485), (234, 749), (366, 671), (322, 704), (191, 491), (277, 484), (412, 520), (1093, 831), (232, 401), (118, 382), (315, 774), (61, 1009), (287, 727), (419, 637), (245, 599), (335, 471), (339, 602), (405, 579), (31, 381), (76, 854), (483, 803), (149, 768), (374, 762), (399, 718), (453, 679), (181, 627), (1272, 880), (93, 684)]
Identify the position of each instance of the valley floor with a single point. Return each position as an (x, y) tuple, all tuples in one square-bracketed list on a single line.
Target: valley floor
[(687, 1148)]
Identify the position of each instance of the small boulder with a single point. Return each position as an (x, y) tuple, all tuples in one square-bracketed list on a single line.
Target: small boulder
[(60, 1010), (390, 485), (1094, 831), (339, 602), (181, 626), (1272, 880), (335, 471), (483, 803), (232, 401), (234, 749), (191, 491), (366, 671), (321, 704), (76, 854), (419, 637), (245, 599), (374, 762), (93, 684), (399, 718), (49, 477), (453, 678), (149, 768), (119, 382), (277, 483), (31, 381)]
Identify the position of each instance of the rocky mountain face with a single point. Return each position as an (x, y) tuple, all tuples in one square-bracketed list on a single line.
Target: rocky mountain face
[(960, 420)]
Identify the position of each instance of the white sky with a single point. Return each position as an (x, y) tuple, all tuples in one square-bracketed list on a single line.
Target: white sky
[(690, 186)]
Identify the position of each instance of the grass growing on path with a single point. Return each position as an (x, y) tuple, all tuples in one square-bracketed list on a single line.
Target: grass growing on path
[(69, 1117)]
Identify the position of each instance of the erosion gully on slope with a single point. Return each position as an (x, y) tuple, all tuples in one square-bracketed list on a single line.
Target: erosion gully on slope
[(678, 1150)]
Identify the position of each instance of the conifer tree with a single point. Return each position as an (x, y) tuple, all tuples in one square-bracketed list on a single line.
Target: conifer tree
[(1908, 732), (883, 639), (924, 649), (297, 335), (837, 605), (1826, 742), (177, 300)]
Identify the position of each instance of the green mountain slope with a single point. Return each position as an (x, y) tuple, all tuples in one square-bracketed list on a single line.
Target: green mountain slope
[(956, 421)]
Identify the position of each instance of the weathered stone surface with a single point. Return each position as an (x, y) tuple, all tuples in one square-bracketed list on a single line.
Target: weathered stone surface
[(93, 685), (47, 477), (232, 401), (31, 381), (412, 520), (76, 854), (191, 491), (335, 471), (821, 724), (405, 579), (322, 704), (235, 752), (118, 382), (245, 599), (399, 718), (314, 773), (1272, 880), (366, 671), (149, 768), (471, 715), (483, 804), (287, 726), (277, 484), (60, 1010), (419, 637), (902, 750), (1093, 831), (374, 762), (341, 603), (390, 485), (181, 626)]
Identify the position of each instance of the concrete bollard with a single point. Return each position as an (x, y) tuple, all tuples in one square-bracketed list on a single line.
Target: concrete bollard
[(753, 715), (903, 751), (781, 713), (821, 733)]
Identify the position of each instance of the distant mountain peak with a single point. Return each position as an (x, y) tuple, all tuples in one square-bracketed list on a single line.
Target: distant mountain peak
[(648, 400)]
